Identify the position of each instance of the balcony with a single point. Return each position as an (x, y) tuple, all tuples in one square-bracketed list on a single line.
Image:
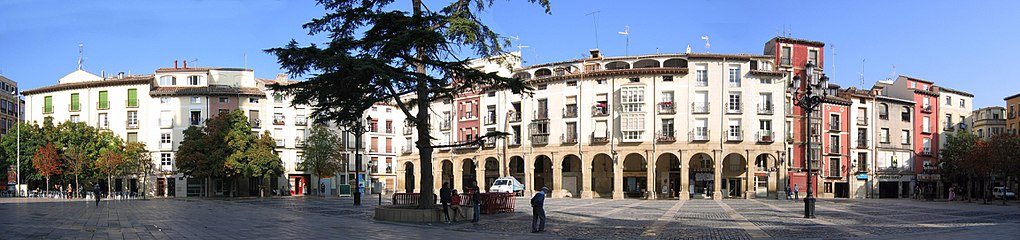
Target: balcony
[(570, 111), (47, 109), (255, 123), (785, 61), (950, 127), (408, 130), (834, 126), (604, 139), (883, 116), (699, 134), (514, 116), (765, 109), (734, 135), (667, 108), (280, 142), (132, 124), (734, 108), (514, 141), (279, 121), (131, 103), (701, 83), (665, 136), (699, 107), (926, 109), (1011, 115), (862, 143), (540, 139), (765, 136), (445, 125), (489, 143), (74, 107), (542, 114), (600, 110), (406, 149), (304, 122), (103, 105), (489, 119), (862, 121), (926, 152), (298, 142), (568, 138)]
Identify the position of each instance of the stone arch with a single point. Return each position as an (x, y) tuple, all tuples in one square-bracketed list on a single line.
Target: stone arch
[(734, 170), (602, 175), (517, 169), (635, 175), (702, 175), (763, 162), (523, 75), (675, 63), (543, 173), (491, 171), (572, 179), (617, 65), (543, 72), (409, 181), (667, 174), (468, 174), (447, 172), (646, 63)]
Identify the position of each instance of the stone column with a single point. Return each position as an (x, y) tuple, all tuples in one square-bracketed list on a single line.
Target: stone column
[(749, 176), (685, 177), (458, 176), (717, 183), (781, 175), (650, 176), (617, 178), (401, 182), (529, 177), (480, 174), (586, 177), (557, 187), (417, 177)]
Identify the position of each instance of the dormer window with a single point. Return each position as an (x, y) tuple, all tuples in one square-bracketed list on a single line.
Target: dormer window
[(194, 80), (167, 80)]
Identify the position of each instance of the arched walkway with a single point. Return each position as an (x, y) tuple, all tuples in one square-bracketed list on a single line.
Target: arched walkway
[(702, 175), (734, 174), (409, 177), (491, 172), (602, 176), (764, 175), (543, 173), (447, 174), (469, 176), (573, 179), (517, 169), (635, 176), (667, 174)]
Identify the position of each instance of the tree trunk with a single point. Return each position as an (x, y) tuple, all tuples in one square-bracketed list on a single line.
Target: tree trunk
[(109, 183), (424, 143), (47, 183), (77, 186), (970, 188), (145, 184)]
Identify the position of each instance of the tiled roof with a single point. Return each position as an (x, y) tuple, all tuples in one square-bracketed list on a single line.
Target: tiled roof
[(958, 92), (1011, 97), (797, 40), (198, 69), (211, 90), (917, 79), (128, 80)]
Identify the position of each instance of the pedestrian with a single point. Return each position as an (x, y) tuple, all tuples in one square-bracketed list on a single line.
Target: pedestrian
[(457, 211), (665, 189), (476, 200), (796, 192), (69, 191), (952, 193), (538, 211), (789, 194), (445, 197), (322, 188), (97, 192)]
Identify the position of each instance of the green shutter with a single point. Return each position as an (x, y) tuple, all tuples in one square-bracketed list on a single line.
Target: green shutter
[(75, 105), (132, 98), (48, 104), (104, 102)]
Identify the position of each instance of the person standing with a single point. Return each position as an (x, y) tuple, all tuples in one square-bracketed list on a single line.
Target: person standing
[(789, 194), (538, 211), (476, 199), (665, 189), (796, 192), (445, 197), (97, 192)]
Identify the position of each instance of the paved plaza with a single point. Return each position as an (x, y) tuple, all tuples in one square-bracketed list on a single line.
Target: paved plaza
[(335, 218)]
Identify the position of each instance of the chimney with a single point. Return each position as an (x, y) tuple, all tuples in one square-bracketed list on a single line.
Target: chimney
[(102, 73), (185, 64), (595, 53), (120, 75), (175, 64), (281, 77)]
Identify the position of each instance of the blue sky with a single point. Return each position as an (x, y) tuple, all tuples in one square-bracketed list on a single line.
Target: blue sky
[(958, 44)]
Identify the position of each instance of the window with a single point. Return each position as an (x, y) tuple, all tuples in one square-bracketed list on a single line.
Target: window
[(765, 81), (75, 104), (165, 160), (491, 93), (949, 120), (167, 80), (48, 104), (132, 119), (765, 104), (734, 76), (925, 124), (883, 111), (278, 119), (194, 80), (224, 100), (884, 135), (667, 78), (600, 81), (75, 118), (633, 122), (834, 144), (962, 102), (734, 130), (571, 83), (165, 140), (132, 137), (733, 106), (927, 145), (542, 87), (905, 137), (785, 55), (949, 100), (196, 100), (166, 120), (634, 79), (834, 167), (701, 79), (164, 100), (104, 100), (905, 115), (632, 98), (104, 121), (196, 117), (813, 57), (389, 126), (278, 98), (253, 100), (913, 85), (668, 127)]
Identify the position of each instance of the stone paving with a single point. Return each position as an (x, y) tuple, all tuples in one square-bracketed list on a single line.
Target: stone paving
[(335, 218)]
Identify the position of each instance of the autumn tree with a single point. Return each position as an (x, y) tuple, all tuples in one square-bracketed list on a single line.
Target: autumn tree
[(110, 163), (138, 161), (955, 157), (377, 53), (47, 162)]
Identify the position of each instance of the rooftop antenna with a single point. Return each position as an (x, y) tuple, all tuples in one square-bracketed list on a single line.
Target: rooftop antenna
[(894, 70), (245, 60), (626, 33), (862, 72), (833, 61), (81, 55), (707, 45), (595, 21)]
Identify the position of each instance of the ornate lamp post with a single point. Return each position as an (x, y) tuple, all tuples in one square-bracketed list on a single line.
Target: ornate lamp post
[(808, 95), (17, 184), (358, 130)]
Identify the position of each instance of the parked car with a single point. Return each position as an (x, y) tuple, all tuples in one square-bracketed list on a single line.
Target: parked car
[(1000, 192), (507, 185)]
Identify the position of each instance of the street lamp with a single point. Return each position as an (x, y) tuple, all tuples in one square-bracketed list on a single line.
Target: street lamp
[(358, 130), (17, 175), (808, 96)]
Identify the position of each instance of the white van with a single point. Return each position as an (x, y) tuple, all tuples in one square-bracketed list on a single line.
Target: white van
[(1003, 192), (506, 185)]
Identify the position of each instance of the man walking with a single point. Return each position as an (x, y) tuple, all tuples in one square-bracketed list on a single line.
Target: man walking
[(789, 194), (796, 192), (445, 197), (97, 193), (538, 211), (476, 198)]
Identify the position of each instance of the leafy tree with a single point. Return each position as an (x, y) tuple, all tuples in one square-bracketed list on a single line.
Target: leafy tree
[(955, 155), (31, 139), (75, 163), (378, 54), (110, 162), (263, 163), (203, 152), (322, 156), (226, 148), (47, 162), (138, 161)]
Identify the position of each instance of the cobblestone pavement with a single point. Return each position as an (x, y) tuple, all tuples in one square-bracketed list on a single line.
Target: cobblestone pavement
[(335, 218)]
